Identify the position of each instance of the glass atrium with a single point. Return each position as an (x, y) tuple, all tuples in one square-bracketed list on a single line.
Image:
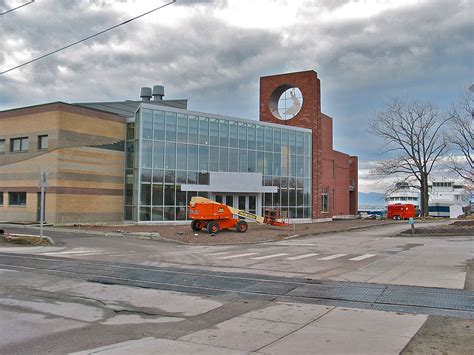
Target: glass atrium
[(168, 149)]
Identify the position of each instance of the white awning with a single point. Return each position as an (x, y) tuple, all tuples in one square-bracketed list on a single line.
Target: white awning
[(232, 183)]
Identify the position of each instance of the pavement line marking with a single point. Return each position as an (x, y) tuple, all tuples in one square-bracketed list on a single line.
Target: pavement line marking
[(73, 252), (335, 256), (299, 244), (219, 253), (301, 256), (269, 256), (362, 257), (237, 256)]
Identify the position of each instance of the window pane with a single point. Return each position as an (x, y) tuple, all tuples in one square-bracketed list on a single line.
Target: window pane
[(285, 141), (242, 135), (268, 139), (145, 214), (43, 142), (170, 176), (181, 156), (193, 122), (158, 154), (299, 165), (203, 130), (192, 157), (169, 195), (181, 177), (203, 157), (223, 159), (158, 175), (130, 155), (192, 177), (170, 126), (213, 131), (131, 131), (146, 148), (251, 136), (277, 140), (17, 198), (284, 165), (307, 144), (242, 160), (147, 124), (157, 213), (260, 162), (233, 159), (169, 213), (268, 164), (182, 129), (159, 125), (214, 159), (157, 194), (224, 133), (145, 194), (260, 136), (300, 143), (277, 164), (292, 142), (180, 197), (233, 134), (170, 155), (146, 175), (252, 162)]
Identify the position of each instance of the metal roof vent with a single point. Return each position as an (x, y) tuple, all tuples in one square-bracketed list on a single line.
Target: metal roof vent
[(145, 93), (158, 92)]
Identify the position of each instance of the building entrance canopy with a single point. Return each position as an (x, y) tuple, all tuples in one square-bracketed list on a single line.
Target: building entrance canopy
[(232, 182)]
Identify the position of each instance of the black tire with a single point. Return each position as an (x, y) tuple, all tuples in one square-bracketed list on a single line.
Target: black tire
[(195, 225), (241, 226), (213, 227)]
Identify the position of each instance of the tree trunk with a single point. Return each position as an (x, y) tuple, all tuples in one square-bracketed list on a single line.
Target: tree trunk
[(424, 196)]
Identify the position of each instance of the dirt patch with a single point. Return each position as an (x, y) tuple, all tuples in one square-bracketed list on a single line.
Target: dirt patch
[(23, 240), (464, 228), (256, 233), (443, 335)]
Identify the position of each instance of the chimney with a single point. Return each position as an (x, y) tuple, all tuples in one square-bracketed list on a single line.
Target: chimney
[(158, 92), (145, 93)]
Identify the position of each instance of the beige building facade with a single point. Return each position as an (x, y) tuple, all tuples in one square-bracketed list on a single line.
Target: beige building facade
[(82, 150)]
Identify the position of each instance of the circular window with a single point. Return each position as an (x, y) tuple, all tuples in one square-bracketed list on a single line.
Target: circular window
[(285, 102)]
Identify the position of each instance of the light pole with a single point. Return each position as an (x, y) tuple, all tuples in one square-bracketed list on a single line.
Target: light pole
[(43, 184)]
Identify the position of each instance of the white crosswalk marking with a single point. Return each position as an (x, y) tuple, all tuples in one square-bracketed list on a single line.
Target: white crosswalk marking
[(237, 256), (331, 257), (362, 257), (304, 256), (269, 256)]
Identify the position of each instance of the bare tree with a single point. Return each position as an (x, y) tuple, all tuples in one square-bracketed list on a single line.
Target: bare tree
[(461, 138), (414, 141)]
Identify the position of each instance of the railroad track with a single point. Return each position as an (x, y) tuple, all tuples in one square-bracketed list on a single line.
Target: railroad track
[(382, 297)]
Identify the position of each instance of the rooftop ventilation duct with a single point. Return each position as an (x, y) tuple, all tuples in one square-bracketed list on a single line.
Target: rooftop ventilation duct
[(145, 93), (158, 92)]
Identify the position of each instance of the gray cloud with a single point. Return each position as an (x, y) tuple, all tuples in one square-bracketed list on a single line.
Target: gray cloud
[(422, 51)]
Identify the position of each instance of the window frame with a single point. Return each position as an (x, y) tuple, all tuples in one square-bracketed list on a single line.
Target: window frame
[(3, 142), (22, 148), (41, 137), (19, 202)]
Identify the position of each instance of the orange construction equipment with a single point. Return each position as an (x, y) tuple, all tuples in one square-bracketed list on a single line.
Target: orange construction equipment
[(215, 216), (401, 211)]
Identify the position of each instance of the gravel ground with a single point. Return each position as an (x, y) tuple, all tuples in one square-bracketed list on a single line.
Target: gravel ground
[(255, 233), (456, 228)]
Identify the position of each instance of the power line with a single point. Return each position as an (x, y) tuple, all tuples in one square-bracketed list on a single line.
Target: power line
[(87, 38), (18, 7)]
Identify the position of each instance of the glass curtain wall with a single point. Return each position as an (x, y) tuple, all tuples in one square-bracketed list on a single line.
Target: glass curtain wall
[(176, 149)]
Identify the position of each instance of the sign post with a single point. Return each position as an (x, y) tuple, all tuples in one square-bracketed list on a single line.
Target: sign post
[(411, 220), (43, 184)]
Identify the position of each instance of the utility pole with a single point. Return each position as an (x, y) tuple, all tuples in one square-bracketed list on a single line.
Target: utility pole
[(43, 185)]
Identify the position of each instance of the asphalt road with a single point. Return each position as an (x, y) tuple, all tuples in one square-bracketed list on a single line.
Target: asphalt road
[(360, 292), (370, 255)]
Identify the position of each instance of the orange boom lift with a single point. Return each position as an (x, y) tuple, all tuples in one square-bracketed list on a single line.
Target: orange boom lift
[(215, 216)]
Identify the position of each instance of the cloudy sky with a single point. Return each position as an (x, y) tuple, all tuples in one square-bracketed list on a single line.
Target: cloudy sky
[(213, 53)]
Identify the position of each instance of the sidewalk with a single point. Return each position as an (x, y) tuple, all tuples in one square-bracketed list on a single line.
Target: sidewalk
[(288, 328)]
